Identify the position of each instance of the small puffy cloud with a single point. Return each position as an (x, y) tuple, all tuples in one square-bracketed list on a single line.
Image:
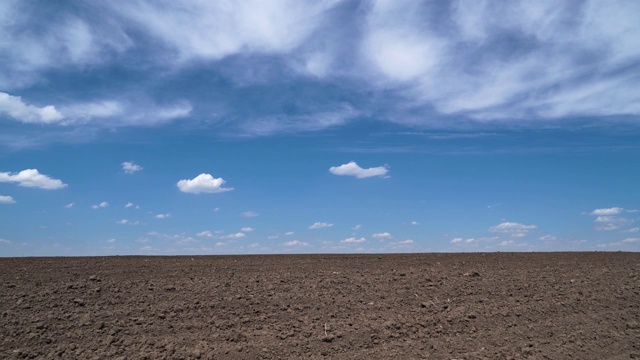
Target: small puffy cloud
[(5, 241), (607, 219), (127, 222), (632, 230), (130, 204), (5, 199), (103, 204), (320, 225), (203, 183), (352, 169), (288, 233), (607, 211), (507, 242), (382, 236), (631, 240), (404, 242), (295, 243), (548, 238), (205, 233), (512, 229), (130, 168), (19, 110), (608, 223), (414, 223), (32, 178), (111, 241), (247, 229), (357, 227), (249, 214), (238, 235), (353, 240), (163, 216), (460, 240), (70, 205)]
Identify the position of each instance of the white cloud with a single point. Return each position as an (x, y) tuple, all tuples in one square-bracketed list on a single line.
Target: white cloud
[(5, 199), (384, 235), (507, 242), (608, 211), (103, 204), (238, 235), (213, 30), (5, 241), (128, 205), (127, 222), (460, 240), (548, 238), (205, 233), (353, 240), (404, 242), (357, 227), (632, 230), (203, 183), (512, 229), (130, 167), (414, 223), (288, 233), (32, 178), (70, 205), (401, 54), (607, 219), (314, 121), (113, 113), (352, 169), (111, 241), (295, 243), (247, 229), (320, 225), (163, 216), (608, 223), (18, 110), (631, 240), (249, 214)]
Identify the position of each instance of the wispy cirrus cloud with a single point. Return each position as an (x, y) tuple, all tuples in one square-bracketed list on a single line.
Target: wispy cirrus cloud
[(424, 64)]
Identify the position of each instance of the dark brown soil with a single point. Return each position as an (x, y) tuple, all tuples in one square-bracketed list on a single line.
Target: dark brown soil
[(439, 306)]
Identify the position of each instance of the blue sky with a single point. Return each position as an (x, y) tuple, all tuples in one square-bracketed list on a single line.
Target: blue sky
[(233, 127)]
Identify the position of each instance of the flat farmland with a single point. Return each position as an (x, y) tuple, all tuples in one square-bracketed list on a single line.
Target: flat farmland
[(400, 306)]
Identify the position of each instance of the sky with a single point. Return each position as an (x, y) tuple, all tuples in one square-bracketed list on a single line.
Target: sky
[(286, 126)]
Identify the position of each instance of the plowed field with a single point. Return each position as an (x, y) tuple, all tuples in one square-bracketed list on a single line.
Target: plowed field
[(405, 306)]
